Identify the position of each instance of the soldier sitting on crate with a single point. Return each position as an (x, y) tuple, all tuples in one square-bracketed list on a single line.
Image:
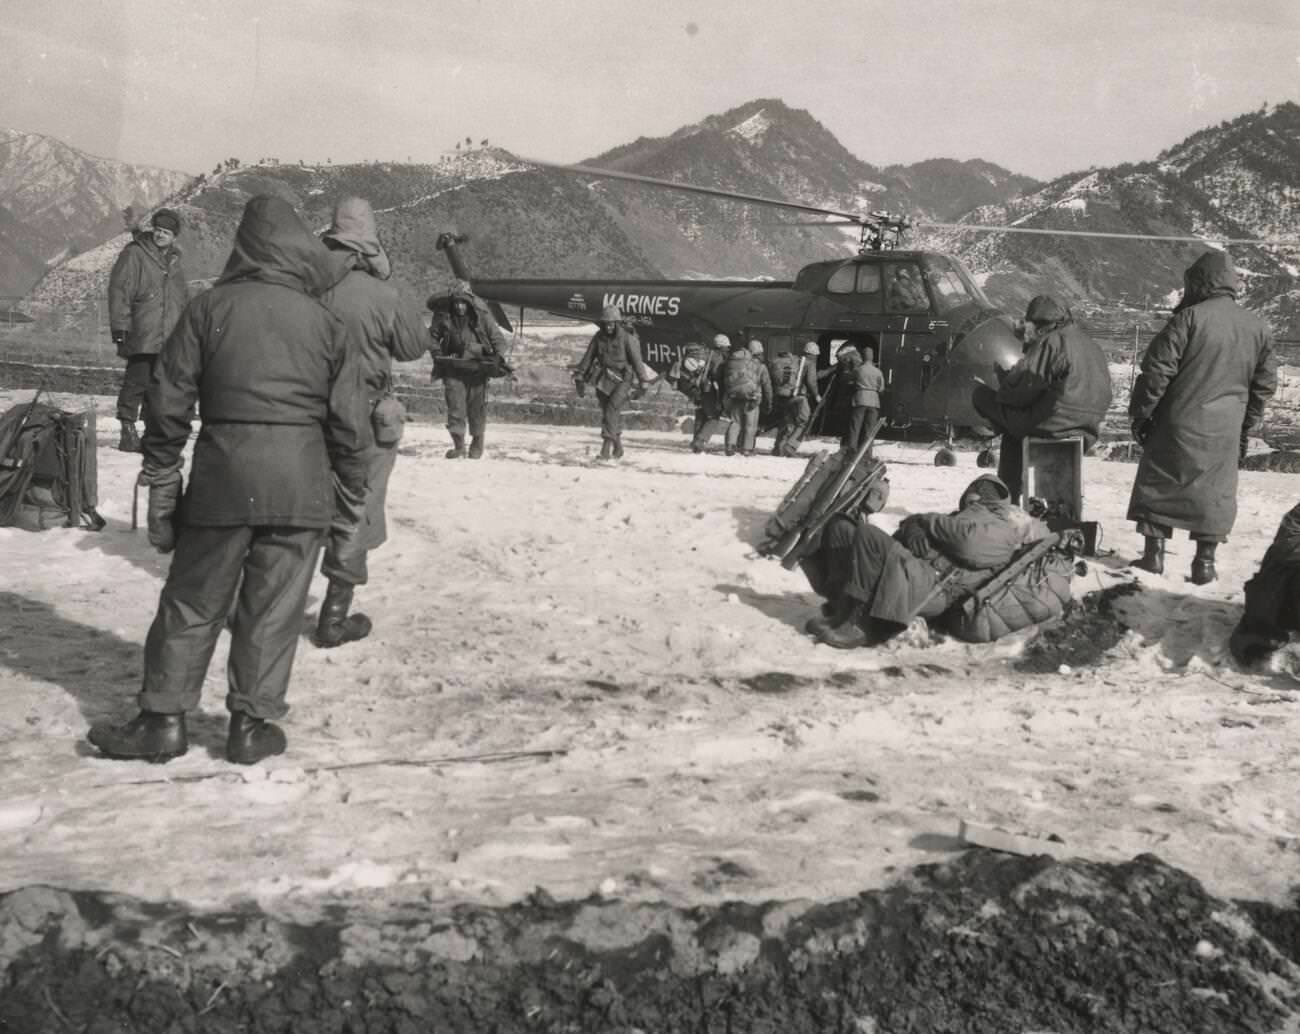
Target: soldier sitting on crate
[(875, 584), (1060, 388)]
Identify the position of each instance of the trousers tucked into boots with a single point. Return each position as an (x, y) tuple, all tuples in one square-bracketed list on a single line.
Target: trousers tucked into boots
[(335, 626), (1153, 555), (1203, 571)]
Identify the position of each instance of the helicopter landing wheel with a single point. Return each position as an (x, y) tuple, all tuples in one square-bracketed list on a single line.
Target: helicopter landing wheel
[(945, 457), (987, 458)]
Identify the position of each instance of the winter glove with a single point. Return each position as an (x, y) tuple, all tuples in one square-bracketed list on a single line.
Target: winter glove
[(1141, 431), (580, 384), (118, 336), (1244, 446), (164, 497)]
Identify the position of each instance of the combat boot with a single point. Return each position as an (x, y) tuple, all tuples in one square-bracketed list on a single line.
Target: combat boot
[(476, 447), (1153, 556), (149, 736), (335, 627), (130, 440), (833, 612), (1203, 571), (457, 450), (606, 449), (618, 448), (250, 739)]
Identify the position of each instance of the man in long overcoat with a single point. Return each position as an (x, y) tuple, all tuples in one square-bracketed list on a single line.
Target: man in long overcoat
[(1204, 382), (147, 290), (283, 420), (1058, 389), (380, 328)]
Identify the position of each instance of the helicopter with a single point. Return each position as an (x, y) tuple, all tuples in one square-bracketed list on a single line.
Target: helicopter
[(920, 314)]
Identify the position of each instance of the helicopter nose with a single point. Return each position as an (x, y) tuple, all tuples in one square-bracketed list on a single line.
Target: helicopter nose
[(974, 359)]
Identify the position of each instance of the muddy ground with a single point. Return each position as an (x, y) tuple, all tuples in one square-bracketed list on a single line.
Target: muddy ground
[(985, 942)]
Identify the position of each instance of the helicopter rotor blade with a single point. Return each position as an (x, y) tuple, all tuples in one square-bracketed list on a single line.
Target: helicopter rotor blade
[(1205, 239), (876, 220), (688, 188)]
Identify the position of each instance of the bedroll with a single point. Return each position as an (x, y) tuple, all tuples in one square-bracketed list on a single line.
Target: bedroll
[(48, 469)]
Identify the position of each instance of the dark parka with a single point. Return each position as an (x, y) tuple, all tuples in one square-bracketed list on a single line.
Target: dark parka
[(1272, 596), (1061, 385), (380, 327), (280, 396), (146, 292), (1204, 381)]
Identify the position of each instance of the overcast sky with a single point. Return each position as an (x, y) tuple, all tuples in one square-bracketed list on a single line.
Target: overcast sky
[(1041, 87)]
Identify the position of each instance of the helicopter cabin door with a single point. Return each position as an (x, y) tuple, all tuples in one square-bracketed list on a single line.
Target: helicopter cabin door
[(907, 354)]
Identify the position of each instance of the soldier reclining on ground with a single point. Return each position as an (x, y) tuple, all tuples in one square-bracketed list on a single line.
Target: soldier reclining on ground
[(875, 583)]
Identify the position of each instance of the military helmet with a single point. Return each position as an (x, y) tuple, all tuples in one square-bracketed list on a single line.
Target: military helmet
[(721, 341), (610, 314), (756, 347), (811, 349)]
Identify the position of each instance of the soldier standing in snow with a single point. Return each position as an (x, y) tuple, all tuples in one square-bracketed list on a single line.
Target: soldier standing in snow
[(146, 293), (380, 328), (284, 426), (1205, 379)]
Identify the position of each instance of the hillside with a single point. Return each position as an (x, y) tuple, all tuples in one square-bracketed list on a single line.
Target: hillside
[(536, 222), (1240, 179), (57, 201), (767, 149)]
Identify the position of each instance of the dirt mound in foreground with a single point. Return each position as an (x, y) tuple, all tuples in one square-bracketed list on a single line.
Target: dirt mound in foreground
[(984, 943)]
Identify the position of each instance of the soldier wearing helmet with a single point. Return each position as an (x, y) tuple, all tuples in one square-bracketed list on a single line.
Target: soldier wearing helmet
[(746, 391), (796, 395), (613, 365), (465, 331)]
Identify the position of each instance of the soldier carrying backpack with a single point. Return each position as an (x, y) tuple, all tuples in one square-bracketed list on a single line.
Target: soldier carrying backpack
[(742, 381), (794, 384)]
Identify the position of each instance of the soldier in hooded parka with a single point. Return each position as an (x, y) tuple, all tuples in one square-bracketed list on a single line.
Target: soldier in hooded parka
[(466, 331), (380, 328), (284, 434)]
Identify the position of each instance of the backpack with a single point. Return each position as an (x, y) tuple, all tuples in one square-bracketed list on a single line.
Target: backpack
[(826, 485), (48, 469), (1033, 588), (785, 375), (740, 378), (691, 372)]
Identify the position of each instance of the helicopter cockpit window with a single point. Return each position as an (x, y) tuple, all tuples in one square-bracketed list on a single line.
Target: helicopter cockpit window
[(842, 281), (904, 289), (951, 288)]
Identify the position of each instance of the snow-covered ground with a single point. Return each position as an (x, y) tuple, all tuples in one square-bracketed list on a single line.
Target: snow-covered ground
[(618, 616)]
